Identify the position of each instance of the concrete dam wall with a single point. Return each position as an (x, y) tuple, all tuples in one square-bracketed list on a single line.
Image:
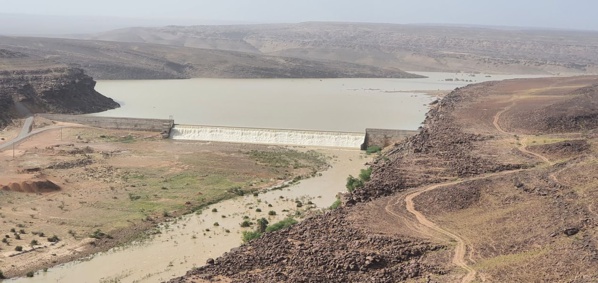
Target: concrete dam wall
[(267, 136), (132, 124)]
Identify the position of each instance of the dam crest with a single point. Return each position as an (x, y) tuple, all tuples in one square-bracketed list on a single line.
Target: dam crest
[(267, 136)]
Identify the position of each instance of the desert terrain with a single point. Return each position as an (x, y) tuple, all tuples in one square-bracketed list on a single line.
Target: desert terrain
[(445, 48), (498, 186), (72, 190)]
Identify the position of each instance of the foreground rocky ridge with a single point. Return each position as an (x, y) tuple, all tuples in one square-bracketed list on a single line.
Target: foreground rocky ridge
[(522, 216), (323, 248), (29, 85)]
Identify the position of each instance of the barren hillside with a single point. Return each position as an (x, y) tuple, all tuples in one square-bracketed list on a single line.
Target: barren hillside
[(408, 47), (123, 60), (470, 198)]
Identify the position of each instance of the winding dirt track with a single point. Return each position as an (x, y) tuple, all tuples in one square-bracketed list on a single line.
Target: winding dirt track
[(433, 230)]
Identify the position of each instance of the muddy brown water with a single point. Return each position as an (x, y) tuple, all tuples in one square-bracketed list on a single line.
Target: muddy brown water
[(345, 105)]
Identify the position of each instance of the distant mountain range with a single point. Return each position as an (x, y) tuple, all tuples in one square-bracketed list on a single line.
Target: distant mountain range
[(314, 50), (408, 47)]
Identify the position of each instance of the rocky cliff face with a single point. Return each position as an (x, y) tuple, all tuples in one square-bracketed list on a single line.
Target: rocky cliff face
[(29, 85)]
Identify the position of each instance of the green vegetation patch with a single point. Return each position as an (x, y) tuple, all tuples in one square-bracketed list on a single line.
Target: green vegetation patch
[(250, 235), (288, 222), (354, 183)]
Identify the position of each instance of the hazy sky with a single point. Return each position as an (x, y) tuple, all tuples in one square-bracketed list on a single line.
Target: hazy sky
[(569, 14)]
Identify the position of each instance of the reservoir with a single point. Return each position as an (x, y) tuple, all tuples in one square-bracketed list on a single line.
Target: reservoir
[(346, 105)]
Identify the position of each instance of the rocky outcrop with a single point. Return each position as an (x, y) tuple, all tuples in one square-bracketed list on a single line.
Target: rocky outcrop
[(29, 85), (324, 248)]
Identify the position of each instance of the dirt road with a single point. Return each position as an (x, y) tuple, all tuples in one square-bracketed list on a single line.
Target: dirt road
[(434, 230)]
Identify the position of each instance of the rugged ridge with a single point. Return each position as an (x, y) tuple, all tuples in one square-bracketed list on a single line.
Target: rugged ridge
[(30, 85)]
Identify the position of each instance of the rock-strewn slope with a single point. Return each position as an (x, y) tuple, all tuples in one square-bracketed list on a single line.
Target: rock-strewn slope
[(323, 248), (29, 85)]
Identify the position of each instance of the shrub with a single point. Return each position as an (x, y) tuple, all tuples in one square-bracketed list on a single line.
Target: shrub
[(373, 149), (365, 174), (2, 275), (55, 239), (250, 235), (258, 210), (262, 225), (216, 224), (98, 234), (18, 248), (271, 212), (288, 222), (214, 210), (353, 183), (336, 204), (34, 243), (237, 191), (30, 274), (246, 223)]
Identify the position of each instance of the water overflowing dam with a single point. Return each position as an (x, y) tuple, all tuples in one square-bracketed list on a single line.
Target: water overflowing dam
[(267, 136)]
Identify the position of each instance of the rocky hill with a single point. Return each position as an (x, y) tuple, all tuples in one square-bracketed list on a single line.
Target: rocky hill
[(468, 198), (123, 60), (408, 47), (31, 85)]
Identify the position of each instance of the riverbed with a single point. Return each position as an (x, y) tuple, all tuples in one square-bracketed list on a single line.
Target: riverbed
[(189, 241)]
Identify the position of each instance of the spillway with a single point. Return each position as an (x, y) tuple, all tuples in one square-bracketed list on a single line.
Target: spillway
[(267, 136)]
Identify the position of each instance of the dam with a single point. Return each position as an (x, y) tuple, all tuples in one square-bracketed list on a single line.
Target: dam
[(168, 129), (267, 136)]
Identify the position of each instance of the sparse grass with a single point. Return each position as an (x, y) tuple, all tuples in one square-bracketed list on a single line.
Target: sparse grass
[(510, 259), (373, 149), (336, 204), (288, 222), (250, 235)]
